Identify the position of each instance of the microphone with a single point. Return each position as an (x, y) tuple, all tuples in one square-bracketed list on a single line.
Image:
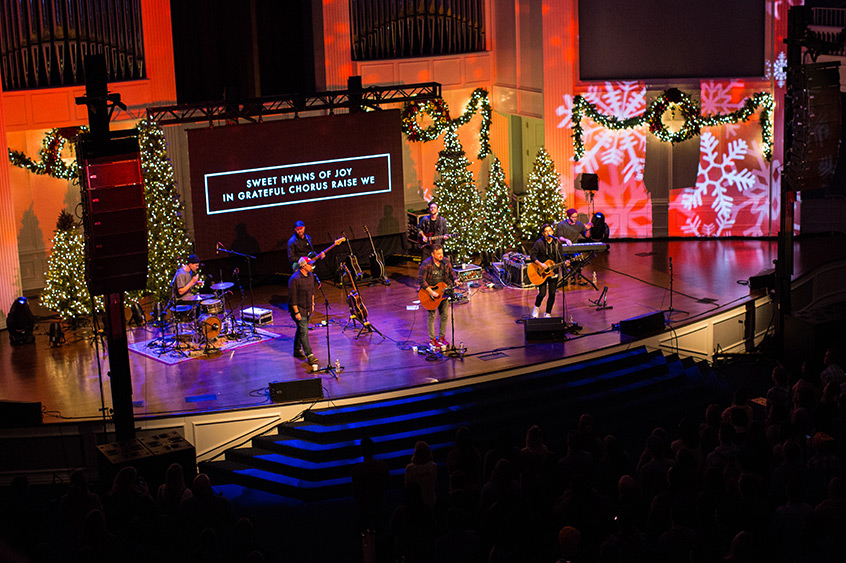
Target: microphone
[(235, 272)]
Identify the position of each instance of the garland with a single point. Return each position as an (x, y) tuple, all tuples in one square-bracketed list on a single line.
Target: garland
[(439, 112), (51, 163), (674, 99)]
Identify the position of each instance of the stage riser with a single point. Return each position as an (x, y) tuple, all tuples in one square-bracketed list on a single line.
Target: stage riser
[(325, 472)]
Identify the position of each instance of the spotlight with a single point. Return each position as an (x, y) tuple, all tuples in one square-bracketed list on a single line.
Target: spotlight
[(20, 322)]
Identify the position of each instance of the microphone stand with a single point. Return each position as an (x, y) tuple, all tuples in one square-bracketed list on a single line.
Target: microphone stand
[(671, 310), (253, 335), (329, 367)]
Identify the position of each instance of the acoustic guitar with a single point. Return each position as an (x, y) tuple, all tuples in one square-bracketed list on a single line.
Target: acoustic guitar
[(538, 275), (357, 308), (431, 303), (377, 267), (353, 260)]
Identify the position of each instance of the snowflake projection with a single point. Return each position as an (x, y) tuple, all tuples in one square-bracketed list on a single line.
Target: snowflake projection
[(617, 157), (730, 190), (777, 70)]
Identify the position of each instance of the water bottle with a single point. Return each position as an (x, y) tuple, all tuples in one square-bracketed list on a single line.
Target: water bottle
[(337, 364), (594, 277)]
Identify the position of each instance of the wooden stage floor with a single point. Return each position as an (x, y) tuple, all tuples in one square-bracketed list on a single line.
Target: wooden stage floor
[(707, 276)]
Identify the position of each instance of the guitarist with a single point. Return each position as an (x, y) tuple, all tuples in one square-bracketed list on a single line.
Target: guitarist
[(434, 270), (299, 245), (546, 248), (432, 226)]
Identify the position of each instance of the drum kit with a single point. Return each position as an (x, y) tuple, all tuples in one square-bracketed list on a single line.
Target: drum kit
[(198, 320)]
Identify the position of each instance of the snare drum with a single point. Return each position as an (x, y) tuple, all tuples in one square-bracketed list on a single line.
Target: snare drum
[(211, 307)]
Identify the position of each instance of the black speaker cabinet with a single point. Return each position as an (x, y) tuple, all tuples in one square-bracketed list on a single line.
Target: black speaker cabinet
[(296, 390), (763, 279), (587, 182), (150, 456), (114, 215), (644, 325), (553, 329), (14, 414)]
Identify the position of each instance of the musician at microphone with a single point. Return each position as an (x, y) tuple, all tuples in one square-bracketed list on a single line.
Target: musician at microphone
[(299, 246), (301, 307), (186, 278), (432, 229), (546, 249), (434, 270)]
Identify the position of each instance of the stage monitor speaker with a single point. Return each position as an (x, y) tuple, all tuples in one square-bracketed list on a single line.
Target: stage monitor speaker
[(15, 414), (114, 213), (643, 325), (763, 279), (296, 390), (587, 182), (552, 329)]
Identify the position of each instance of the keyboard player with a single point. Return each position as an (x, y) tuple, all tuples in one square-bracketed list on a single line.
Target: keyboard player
[(569, 231)]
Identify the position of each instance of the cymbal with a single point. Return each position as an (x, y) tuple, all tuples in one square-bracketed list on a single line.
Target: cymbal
[(183, 308), (221, 286), (204, 296), (191, 297)]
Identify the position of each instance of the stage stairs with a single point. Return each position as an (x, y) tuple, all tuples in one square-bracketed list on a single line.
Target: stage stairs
[(626, 392)]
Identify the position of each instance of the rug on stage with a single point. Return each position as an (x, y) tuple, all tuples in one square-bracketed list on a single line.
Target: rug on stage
[(170, 355)]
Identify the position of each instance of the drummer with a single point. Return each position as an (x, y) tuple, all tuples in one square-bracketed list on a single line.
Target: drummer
[(185, 279)]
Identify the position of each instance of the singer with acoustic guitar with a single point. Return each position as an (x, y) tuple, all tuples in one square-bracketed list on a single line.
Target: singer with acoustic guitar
[(435, 276), (547, 258), (431, 230)]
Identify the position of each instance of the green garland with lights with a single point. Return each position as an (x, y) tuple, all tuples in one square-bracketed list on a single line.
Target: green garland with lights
[(50, 161), (675, 100), (441, 121)]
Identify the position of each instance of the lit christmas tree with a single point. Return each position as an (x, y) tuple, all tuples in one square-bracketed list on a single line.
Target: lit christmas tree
[(499, 223), (543, 202), (458, 199), (66, 291), (167, 236)]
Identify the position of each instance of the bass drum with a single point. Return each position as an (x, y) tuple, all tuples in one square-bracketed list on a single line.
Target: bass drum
[(209, 327)]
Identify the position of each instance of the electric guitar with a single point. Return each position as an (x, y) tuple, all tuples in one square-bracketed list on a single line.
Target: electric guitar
[(538, 275), (377, 267), (312, 257), (431, 303), (431, 239), (353, 260), (357, 308)]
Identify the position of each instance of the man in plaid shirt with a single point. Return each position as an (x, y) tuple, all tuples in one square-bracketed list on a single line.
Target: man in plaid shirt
[(434, 270)]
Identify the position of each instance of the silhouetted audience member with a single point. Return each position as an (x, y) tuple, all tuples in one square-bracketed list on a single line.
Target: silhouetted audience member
[(465, 457), (591, 442), (370, 478), (789, 529), (791, 468), (204, 509), (614, 464), (577, 460), (710, 429), (741, 549), (20, 519), (725, 455), (823, 466), (504, 449), (628, 544), (77, 502), (828, 522), (652, 473), (413, 526), (503, 482), (128, 501), (173, 491), (780, 392), (96, 543), (680, 542), (569, 545), (459, 544), (423, 472), (832, 369)]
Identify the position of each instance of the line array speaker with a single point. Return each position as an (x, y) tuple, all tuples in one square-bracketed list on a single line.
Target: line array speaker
[(115, 213)]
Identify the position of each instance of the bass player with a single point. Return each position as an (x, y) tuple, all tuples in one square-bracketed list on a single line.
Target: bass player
[(432, 230), (436, 274)]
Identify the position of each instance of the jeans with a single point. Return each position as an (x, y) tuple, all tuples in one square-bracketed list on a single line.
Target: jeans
[(443, 311), (552, 284), (301, 337)]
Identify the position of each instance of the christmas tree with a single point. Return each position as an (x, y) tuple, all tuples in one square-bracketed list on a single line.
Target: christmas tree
[(66, 291), (499, 220), (543, 202), (458, 199), (167, 236)]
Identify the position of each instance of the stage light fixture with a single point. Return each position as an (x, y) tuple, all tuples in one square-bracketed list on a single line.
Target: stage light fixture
[(20, 322)]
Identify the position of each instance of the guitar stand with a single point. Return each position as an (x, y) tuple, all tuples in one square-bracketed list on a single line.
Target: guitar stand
[(602, 302), (366, 326)]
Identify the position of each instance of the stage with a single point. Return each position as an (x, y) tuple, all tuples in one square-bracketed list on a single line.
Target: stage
[(709, 276)]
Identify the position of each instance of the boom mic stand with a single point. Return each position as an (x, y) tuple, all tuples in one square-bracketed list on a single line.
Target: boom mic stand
[(249, 258), (329, 368)]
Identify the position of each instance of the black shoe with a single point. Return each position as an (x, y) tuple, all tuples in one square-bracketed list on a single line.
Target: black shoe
[(299, 354)]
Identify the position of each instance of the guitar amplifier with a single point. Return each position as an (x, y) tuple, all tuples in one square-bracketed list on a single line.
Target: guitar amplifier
[(469, 272), (515, 266)]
